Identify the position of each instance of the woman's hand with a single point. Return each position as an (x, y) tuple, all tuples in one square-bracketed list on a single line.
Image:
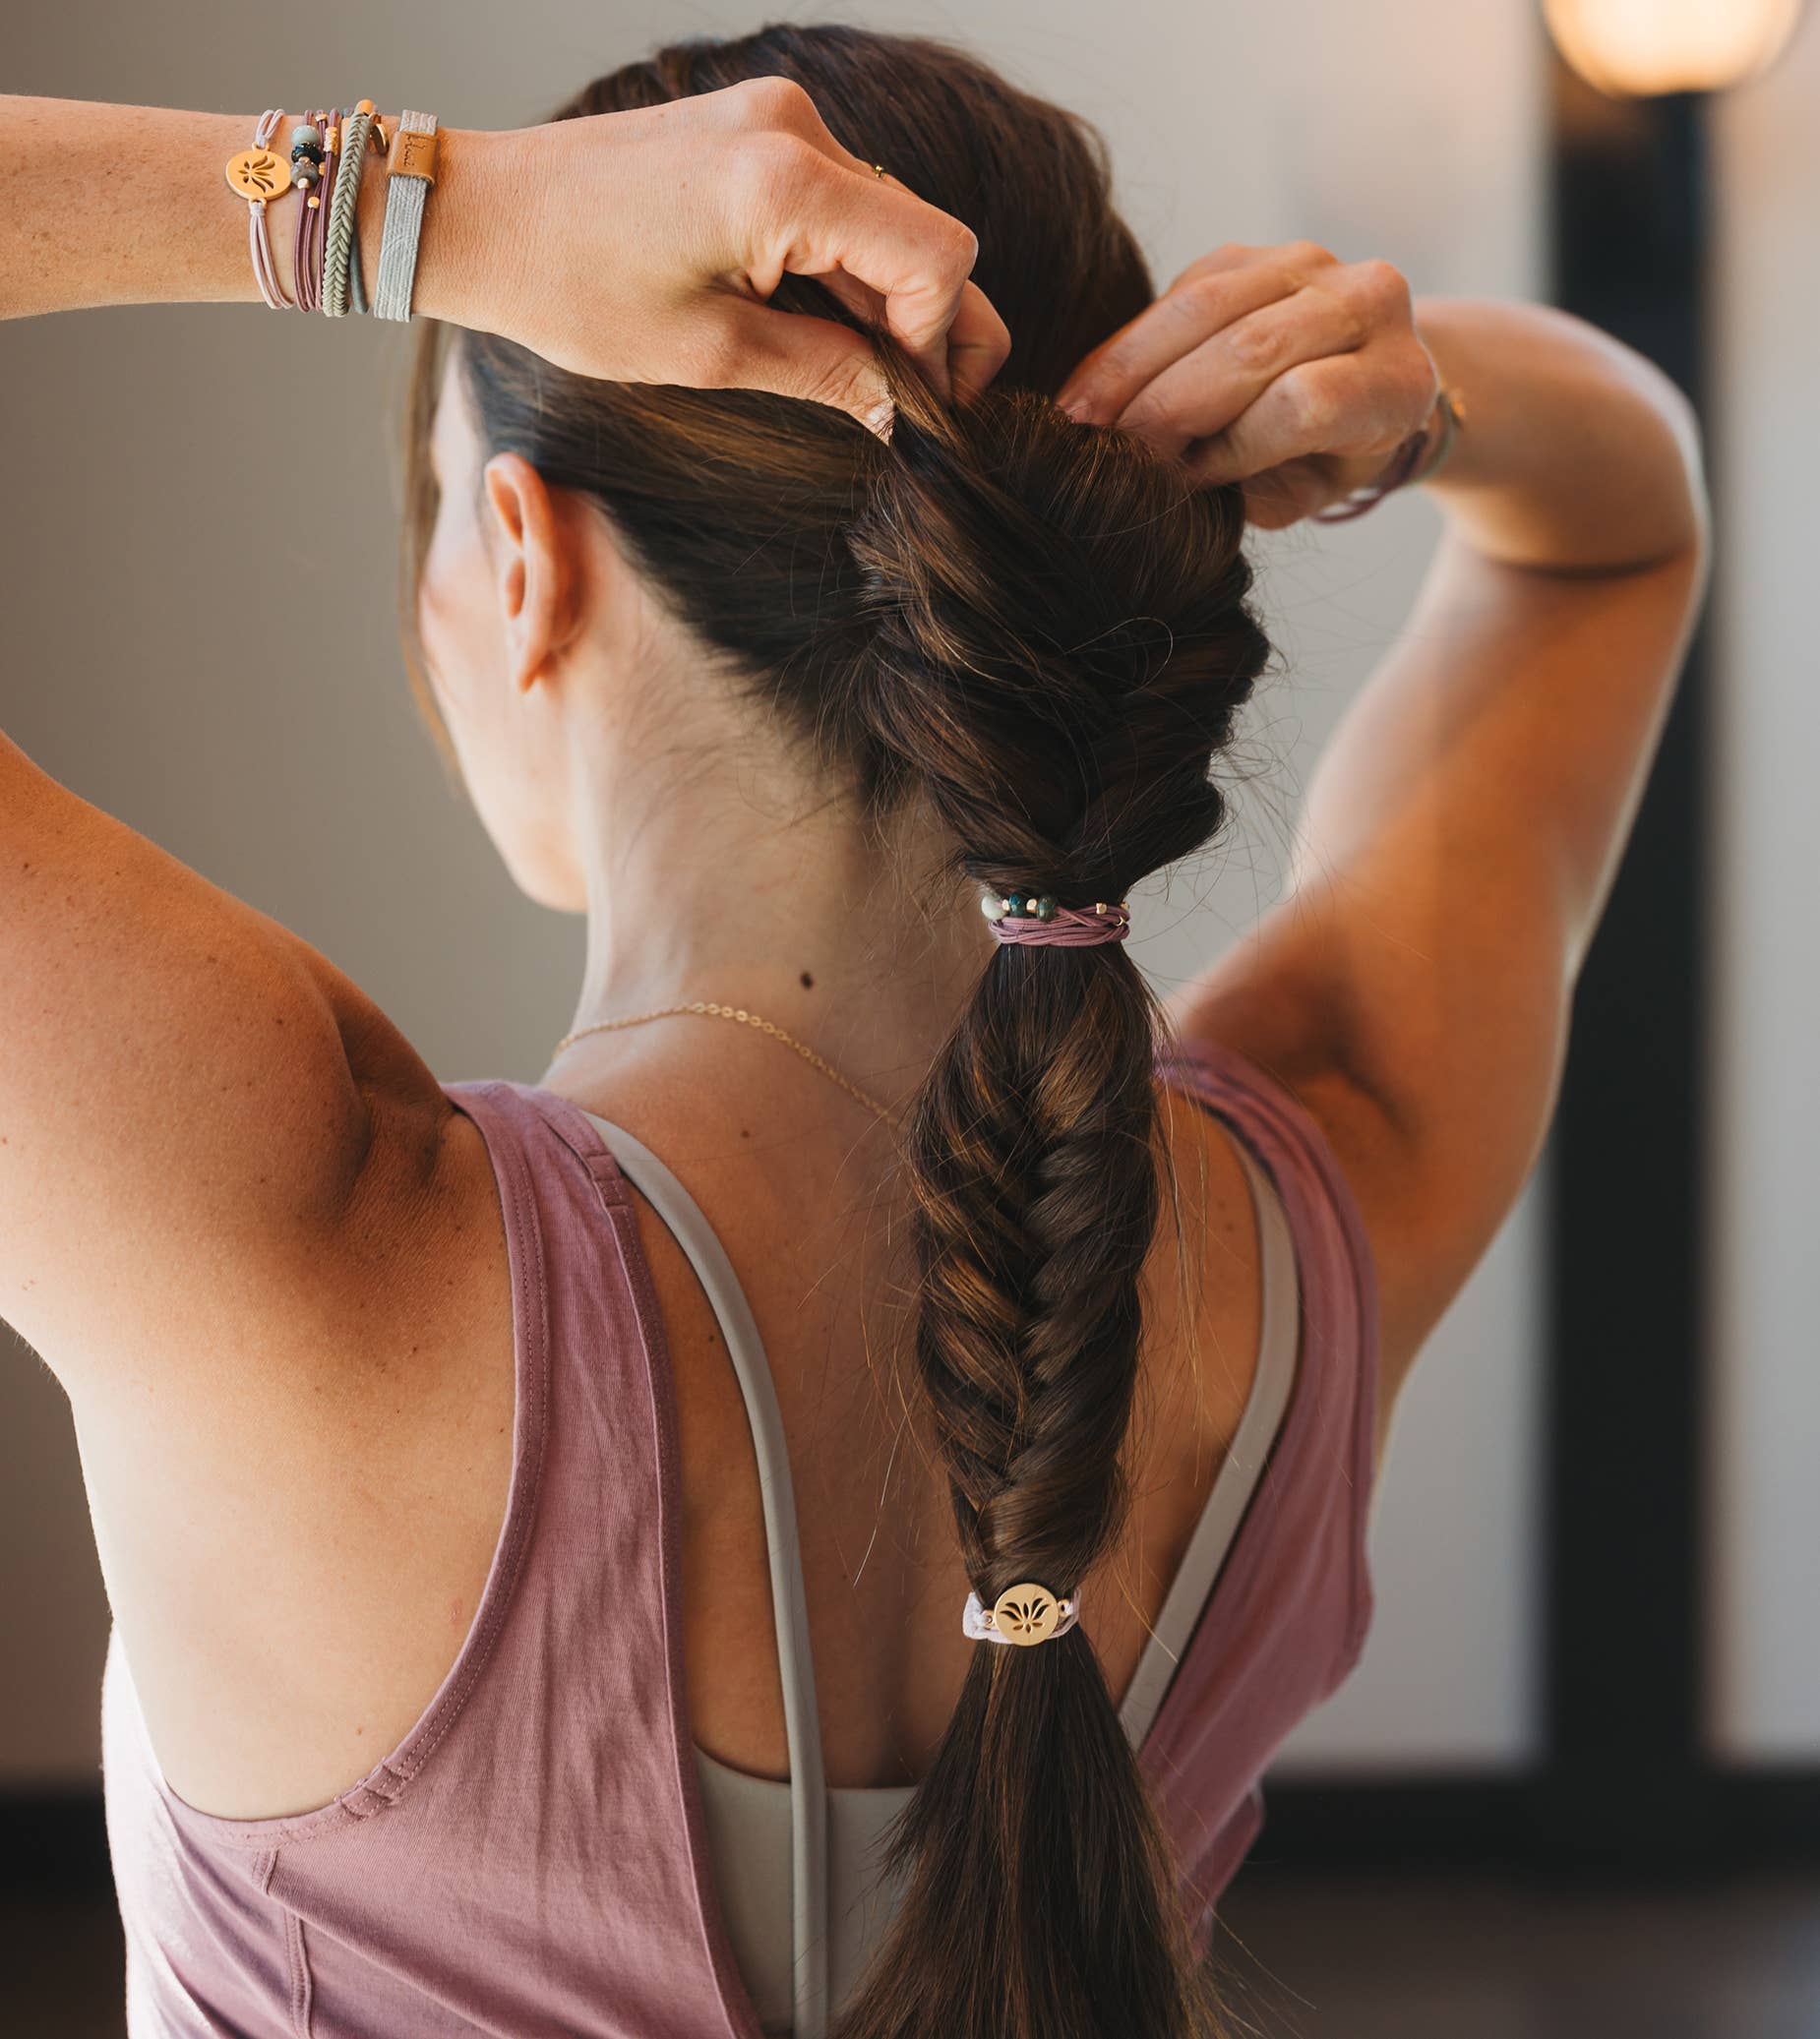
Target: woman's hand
[(643, 246), (1284, 368)]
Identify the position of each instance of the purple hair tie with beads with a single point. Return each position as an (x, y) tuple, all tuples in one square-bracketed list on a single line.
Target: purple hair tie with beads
[(1032, 918)]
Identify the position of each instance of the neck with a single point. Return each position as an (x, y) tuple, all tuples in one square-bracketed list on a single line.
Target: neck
[(734, 880)]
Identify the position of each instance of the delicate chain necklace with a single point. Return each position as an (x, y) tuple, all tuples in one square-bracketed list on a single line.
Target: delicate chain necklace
[(708, 1010)]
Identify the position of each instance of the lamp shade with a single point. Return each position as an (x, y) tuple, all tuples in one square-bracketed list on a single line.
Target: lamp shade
[(1643, 46)]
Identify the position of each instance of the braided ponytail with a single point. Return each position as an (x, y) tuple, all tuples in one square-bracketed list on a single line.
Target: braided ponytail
[(1040, 631), (1058, 644)]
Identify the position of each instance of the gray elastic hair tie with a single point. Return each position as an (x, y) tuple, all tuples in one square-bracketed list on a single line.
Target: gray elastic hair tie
[(397, 248)]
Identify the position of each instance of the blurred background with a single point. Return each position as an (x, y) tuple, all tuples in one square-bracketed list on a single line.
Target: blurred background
[(1574, 1787)]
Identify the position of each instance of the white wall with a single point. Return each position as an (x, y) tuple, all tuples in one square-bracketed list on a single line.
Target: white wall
[(1765, 1333), (167, 672)]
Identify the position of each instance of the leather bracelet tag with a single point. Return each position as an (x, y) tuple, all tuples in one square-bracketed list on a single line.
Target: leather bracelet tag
[(411, 154)]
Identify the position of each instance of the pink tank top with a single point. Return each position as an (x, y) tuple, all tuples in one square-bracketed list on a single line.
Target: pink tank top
[(531, 1861)]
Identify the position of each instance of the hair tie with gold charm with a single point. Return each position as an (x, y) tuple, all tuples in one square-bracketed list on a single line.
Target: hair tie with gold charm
[(1022, 1614), (260, 174)]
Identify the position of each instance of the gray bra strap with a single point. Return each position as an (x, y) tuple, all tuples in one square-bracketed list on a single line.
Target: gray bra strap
[(802, 1724), (1278, 1345)]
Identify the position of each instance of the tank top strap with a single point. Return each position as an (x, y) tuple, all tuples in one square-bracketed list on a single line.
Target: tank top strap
[(1296, 1598), (689, 1228), (1279, 1349)]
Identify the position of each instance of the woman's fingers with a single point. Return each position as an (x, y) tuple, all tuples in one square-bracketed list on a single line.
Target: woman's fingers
[(978, 342), (1282, 367), (1335, 410), (920, 262), (915, 259), (1208, 388), (793, 355), (1197, 306)]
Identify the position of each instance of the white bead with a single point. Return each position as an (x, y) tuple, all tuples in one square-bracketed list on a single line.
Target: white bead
[(993, 907)]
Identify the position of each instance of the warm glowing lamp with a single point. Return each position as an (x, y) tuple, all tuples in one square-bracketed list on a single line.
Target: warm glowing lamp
[(1640, 47)]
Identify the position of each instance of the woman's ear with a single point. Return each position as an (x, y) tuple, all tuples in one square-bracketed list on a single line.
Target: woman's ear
[(536, 573)]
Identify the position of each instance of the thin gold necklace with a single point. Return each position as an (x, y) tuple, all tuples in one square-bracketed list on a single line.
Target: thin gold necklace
[(709, 1011)]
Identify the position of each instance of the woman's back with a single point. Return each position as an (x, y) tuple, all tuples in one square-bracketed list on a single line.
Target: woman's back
[(822, 1254), (558, 1725)]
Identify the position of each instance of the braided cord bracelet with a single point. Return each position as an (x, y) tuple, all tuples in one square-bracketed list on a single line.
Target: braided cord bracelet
[(342, 249), (411, 169)]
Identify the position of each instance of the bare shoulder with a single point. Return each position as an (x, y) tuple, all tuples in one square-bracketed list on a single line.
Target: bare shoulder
[(1430, 1205), (295, 1561)]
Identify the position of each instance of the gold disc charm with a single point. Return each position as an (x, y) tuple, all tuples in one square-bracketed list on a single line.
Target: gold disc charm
[(258, 173), (1026, 1613)]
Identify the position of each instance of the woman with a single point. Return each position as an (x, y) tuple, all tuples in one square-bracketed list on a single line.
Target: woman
[(510, 1545)]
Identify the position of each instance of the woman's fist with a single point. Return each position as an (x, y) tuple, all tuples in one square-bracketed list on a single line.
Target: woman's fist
[(642, 247), (1284, 368)]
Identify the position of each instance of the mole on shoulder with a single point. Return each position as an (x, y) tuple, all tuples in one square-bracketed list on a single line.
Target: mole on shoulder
[(808, 983)]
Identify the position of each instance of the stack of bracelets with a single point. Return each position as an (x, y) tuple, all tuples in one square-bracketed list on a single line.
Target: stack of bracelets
[(328, 158)]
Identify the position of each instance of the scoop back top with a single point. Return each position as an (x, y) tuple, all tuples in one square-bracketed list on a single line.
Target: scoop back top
[(534, 1859), (808, 1897)]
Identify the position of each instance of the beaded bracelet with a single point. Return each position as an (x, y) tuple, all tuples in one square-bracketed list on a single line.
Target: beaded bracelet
[(343, 288), (259, 175), (306, 156)]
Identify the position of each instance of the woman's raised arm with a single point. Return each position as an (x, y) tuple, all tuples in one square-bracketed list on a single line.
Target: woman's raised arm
[(180, 1076), (635, 247)]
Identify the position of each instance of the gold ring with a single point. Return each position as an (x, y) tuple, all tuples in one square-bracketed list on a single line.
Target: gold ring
[(878, 170)]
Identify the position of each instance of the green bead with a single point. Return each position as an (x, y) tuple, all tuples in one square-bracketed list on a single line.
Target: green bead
[(1045, 908), (1014, 903)]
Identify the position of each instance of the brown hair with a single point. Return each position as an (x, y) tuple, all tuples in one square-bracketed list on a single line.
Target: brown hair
[(1041, 630)]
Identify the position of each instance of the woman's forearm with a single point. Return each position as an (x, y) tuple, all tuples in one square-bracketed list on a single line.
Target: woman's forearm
[(77, 229), (1576, 452)]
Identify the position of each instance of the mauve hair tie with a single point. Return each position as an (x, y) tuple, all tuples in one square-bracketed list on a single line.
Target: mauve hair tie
[(306, 155), (1420, 457), (319, 228), (1033, 919)]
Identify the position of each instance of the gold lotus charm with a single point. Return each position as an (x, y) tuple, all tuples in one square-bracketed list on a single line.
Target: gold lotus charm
[(257, 173), (1026, 1613)]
